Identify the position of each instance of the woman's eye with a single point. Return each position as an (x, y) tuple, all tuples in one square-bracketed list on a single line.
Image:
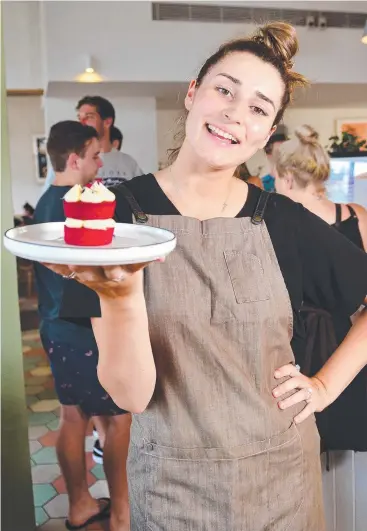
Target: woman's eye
[(224, 91), (258, 110)]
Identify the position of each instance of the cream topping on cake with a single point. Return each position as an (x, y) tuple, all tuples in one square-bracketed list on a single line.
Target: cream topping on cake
[(99, 188), (97, 193), (101, 224), (74, 194)]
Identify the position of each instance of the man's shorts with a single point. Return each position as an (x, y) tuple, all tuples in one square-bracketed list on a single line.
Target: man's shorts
[(74, 368)]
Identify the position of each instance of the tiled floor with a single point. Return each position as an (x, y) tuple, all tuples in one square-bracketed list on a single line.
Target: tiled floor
[(49, 491)]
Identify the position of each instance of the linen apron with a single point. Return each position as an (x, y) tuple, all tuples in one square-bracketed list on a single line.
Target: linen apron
[(213, 452)]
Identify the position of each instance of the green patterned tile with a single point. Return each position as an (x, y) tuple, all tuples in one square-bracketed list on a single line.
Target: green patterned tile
[(36, 380), (28, 365), (53, 425), (45, 456), (98, 472), (41, 516), (47, 394), (40, 419), (42, 494), (31, 399), (33, 389)]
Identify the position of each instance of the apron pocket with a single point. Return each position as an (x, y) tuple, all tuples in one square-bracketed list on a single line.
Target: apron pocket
[(254, 487), (187, 494), (247, 277), (242, 281)]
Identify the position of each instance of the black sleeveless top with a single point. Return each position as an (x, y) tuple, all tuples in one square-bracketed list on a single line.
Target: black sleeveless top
[(349, 227)]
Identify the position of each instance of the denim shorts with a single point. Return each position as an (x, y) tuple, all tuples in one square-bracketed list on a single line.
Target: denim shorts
[(74, 368)]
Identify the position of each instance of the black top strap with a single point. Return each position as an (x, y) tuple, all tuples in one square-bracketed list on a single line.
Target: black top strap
[(139, 215), (259, 213), (338, 217), (352, 211)]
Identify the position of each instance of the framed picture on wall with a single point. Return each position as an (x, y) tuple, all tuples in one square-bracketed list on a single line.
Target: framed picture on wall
[(40, 155), (355, 126)]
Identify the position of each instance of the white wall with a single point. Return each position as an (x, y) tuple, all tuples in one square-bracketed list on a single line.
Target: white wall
[(22, 45), (136, 48), (25, 119), (135, 117)]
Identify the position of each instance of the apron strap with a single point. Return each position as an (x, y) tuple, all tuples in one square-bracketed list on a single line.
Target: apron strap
[(139, 215), (338, 215), (259, 213)]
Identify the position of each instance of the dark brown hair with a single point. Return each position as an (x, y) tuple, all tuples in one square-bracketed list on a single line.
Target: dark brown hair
[(65, 138), (275, 43), (103, 107)]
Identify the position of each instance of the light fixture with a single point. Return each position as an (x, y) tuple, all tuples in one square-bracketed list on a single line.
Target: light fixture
[(89, 74), (364, 36), (89, 67)]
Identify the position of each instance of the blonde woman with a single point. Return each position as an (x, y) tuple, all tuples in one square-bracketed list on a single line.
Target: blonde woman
[(302, 169)]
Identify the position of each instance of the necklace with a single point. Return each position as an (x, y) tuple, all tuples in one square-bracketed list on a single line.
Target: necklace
[(225, 202)]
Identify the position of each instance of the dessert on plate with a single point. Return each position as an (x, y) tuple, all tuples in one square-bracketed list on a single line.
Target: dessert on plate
[(89, 215)]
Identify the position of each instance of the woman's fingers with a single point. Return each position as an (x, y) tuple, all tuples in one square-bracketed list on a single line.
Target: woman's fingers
[(63, 270), (295, 382), (287, 370), (305, 413), (300, 396)]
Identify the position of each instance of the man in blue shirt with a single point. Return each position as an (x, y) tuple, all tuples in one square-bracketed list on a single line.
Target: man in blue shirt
[(74, 153), (274, 141)]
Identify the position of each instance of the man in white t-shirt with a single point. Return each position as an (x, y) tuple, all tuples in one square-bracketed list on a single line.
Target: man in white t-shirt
[(117, 166)]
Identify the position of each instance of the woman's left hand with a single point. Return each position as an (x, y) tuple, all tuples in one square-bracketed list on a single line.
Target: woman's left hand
[(309, 390)]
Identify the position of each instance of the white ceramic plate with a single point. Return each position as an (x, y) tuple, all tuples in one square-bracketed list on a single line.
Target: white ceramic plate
[(131, 244)]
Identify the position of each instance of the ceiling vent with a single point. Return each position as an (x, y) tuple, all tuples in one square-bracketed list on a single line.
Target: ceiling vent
[(256, 15)]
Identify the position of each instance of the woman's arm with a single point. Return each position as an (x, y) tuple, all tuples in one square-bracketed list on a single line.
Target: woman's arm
[(331, 380), (126, 366)]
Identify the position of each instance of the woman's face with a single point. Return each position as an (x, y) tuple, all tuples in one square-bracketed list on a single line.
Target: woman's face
[(231, 113)]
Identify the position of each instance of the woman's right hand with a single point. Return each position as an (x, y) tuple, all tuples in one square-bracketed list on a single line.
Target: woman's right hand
[(110, 282)]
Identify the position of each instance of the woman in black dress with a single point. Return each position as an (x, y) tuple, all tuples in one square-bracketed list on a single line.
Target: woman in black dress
[(302, 170)]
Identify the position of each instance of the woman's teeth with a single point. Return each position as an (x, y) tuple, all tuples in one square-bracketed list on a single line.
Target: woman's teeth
[(222, 134)]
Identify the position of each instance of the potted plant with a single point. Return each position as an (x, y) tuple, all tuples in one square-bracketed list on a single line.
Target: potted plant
[(348, 145)]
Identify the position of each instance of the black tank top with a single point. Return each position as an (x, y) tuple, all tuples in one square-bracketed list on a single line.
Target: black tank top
[(342, 425), (349, 227)]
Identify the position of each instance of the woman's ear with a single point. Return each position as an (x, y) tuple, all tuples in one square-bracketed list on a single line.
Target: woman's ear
[(288, 181), (190, 94), (272, 131)]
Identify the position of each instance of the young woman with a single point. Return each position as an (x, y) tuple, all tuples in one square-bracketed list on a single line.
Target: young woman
[(199, 349), (302, 168)]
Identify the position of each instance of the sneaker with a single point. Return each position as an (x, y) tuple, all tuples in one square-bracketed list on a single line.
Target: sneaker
[(97, 453)]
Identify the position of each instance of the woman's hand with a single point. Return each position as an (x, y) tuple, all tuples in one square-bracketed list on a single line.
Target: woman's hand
[(110, 282), (309, 390)]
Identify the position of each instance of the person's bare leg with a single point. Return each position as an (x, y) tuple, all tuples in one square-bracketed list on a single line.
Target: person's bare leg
[(101, 423), (114, 460), (70, 448)]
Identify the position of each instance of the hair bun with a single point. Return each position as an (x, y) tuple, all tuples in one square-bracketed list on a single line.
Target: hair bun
[(307, 134), (281, 38)]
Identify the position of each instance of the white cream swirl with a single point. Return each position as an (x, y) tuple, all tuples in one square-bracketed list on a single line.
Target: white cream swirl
[(99, 188), (74, 194), (101, 224), (74, 223)]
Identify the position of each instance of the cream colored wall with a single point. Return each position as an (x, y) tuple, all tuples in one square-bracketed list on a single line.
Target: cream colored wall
[(323, 120), (25, 118)]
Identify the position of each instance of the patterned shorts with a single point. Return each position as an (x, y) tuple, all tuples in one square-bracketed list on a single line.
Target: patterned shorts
[(74, 369)]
